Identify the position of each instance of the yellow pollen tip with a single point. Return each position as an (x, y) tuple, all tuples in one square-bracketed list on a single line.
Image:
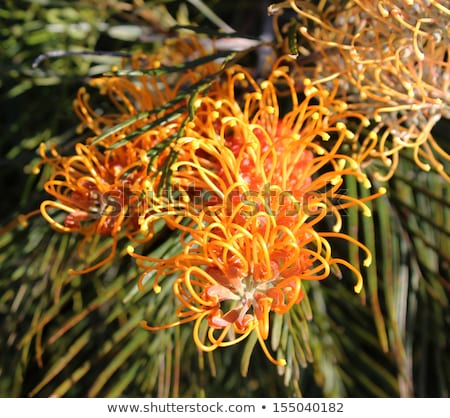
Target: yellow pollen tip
[(157, 288), (382, 190), (257, 96), (341, 126), (367, 212), (325, 136), (315, 116), (358, 286), (367, 261), (320, 150), (307, 82), (265, 84), (336, 228), (218, 104), (282, 362), (366, 183), (335, 180), (341, 164), (36, 170), (130, 249), (270, 110), (197, 103), (240, 76), (232, 123)]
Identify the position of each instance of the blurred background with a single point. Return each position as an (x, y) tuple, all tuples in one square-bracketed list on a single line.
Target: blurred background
[(79, 336)]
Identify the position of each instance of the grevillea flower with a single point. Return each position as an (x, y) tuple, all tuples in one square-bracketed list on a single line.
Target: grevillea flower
[(147, 91), (391, 61), (257, 184), (106, 186), (97, 193)]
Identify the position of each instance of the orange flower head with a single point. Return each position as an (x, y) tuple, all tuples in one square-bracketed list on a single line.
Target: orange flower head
[(258, 184), (96, 192), (390, 59)]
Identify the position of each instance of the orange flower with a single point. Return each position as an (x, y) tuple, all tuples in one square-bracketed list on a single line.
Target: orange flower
[(147, 90), (98, 193), (390, 60), (108, 186), (257, 185)]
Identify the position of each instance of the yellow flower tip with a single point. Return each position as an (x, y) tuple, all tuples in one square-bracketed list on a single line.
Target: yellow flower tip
[(231, 122), (337, 227), (310, 91), (325, 136), (218, 104), (354, 164), (382, 190), (257, 96), (282, 362), (373, 135), (35, 170), (377, 118), (367, 261), (336, 180), (426, 167), (215, 115), (366, 122), (358, 286), (366, 183), (341, 163), (349, 134), (198, 103), (157, 289), (240, 76), (315, 116), (367, 212), (265, 84), (114, 68), (270, 110), (320, 150), (341, 126), (156, 64), (130, 249), (307, 82)]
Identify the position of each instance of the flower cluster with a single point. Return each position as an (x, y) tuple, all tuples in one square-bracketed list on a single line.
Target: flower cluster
[(391, 61), (250, 173), (269, 180)]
